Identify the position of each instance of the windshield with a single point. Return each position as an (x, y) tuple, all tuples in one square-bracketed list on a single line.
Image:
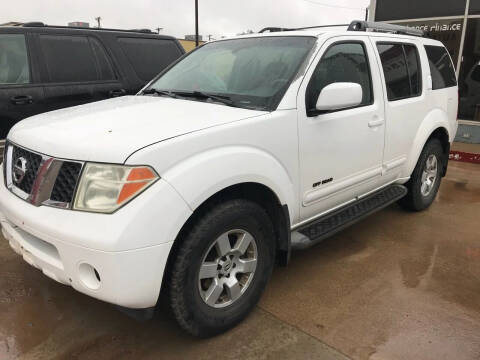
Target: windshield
[(251, 73)]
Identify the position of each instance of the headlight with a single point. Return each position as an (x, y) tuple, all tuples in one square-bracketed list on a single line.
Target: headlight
[(105, 188)]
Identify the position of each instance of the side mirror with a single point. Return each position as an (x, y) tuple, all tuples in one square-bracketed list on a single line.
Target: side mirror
[(341, 95)]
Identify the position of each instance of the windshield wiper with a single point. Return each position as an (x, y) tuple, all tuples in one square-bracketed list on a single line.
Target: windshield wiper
[(203, 95), (158, 92)]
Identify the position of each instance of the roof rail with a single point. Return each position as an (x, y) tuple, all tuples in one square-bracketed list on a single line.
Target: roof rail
[(359, 25), (141, 30), (276, 29), (41, 24), (273, 29), (34, 24)]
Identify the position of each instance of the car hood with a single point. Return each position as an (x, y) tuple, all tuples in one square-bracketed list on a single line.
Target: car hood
[(111, 130)]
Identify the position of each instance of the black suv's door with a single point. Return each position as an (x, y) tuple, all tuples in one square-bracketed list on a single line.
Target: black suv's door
[(21, 95), (76, 69)]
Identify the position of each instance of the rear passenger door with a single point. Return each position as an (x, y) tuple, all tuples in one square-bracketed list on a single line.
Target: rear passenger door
[(76, 69), (405, 105), (21, 95)]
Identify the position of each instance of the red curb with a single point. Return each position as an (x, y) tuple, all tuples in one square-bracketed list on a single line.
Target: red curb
[(464, 157)]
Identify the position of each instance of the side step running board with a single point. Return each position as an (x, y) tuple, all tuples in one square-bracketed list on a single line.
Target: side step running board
[(329, 224)]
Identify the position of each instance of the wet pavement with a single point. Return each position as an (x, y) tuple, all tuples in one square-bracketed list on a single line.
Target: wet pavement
[(397, 285)]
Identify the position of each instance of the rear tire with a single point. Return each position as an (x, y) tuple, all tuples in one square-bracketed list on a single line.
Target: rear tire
[(221, 268), (426, 177)]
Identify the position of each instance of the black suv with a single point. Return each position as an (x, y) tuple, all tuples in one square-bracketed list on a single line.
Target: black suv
[(44, 68)]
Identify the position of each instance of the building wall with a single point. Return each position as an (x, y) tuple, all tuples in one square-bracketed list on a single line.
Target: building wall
[(189, 45)]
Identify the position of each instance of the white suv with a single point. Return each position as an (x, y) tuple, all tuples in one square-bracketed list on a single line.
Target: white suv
[(240, 151)]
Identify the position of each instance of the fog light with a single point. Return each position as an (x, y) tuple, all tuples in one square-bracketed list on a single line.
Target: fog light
[(89, 276)]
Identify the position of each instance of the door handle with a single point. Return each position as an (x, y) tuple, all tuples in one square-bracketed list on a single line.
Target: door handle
[(375, 123), (117, 93), (21, 100)]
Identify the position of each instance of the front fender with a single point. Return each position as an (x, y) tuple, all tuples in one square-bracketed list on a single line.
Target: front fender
[(199, 177), (434, 120)]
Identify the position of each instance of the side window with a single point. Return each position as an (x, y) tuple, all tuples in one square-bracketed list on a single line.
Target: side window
[(105, 69), (14, 68), (401, 67), (441, 67), (149, 57), (413, 66), (68, 58), (342, 62)]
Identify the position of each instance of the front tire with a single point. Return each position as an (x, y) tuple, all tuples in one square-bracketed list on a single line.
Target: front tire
[(221, 267), (426, 177)]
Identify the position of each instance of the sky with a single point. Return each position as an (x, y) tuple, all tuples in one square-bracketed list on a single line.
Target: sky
[(177, 18)]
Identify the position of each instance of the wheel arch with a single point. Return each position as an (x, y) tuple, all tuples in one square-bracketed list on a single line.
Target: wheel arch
[(256, 192), (435, 125)]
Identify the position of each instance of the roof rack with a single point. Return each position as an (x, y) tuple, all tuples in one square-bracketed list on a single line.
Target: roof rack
[(359, 25), (41, 24), (277, 29), (33, 24)]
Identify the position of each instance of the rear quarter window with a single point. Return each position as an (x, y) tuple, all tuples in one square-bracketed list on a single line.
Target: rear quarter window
[(148, 57), (441, 67)]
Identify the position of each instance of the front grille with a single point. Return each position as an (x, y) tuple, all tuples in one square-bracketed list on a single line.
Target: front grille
[(58, 177), (64, 188), (33, 161)]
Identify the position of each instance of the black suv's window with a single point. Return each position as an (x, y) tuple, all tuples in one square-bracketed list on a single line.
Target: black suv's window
[(441, 67), (148, 57), (68, 58), (401, 67), (343, 62), (13, 60), (105, 69)]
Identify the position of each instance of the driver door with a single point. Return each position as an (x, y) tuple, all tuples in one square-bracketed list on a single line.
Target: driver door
[(341, 151)]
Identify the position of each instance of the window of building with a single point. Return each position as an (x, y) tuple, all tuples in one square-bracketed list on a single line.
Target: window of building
[(469, 78), (474, 7), (14, 68), (441, 67), (68, 58), (149, 57), (414, 9), (401, 68), (343, 62)]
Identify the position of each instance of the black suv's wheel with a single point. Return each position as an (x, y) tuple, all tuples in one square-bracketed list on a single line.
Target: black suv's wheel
[(222, 267), (426, 177)]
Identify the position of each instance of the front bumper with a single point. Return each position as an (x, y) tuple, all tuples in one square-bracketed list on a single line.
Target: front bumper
[(126, 265)]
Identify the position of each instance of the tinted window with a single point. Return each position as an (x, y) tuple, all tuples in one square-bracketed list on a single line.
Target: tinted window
[(413, 65), (395, 70), (13, 60), (105, 70), (414, 9), (441, 67), (474, 7), (148, 57), (68, 58), (345, 62)]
